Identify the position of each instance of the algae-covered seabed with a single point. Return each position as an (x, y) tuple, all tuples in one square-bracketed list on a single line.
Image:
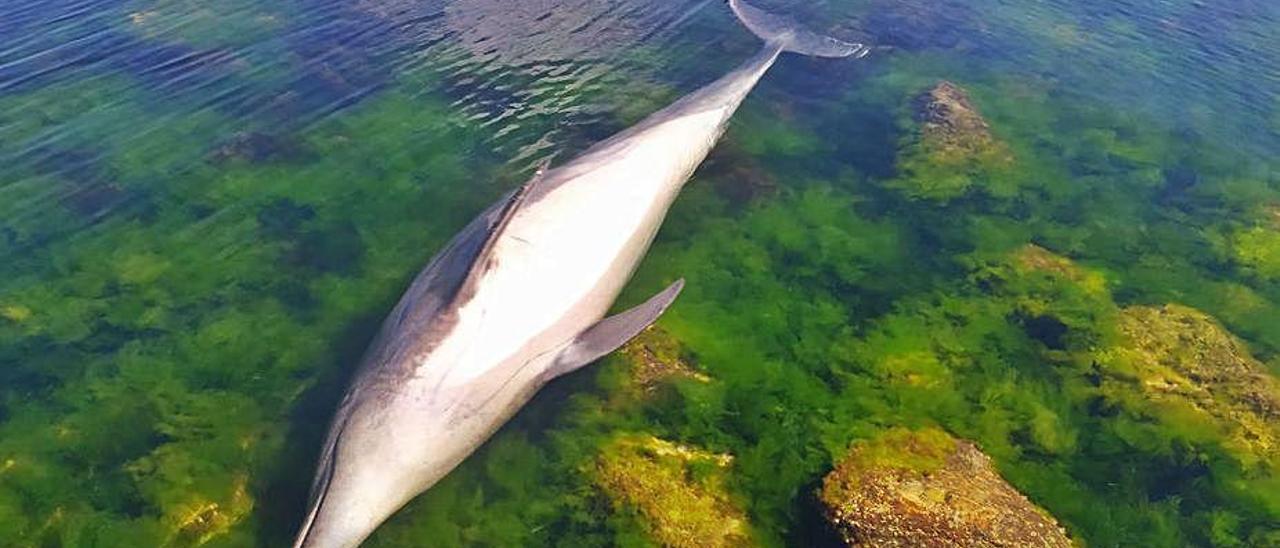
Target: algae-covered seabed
[(205, 211)]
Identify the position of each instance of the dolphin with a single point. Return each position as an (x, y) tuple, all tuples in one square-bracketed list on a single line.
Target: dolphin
[(517, 299)]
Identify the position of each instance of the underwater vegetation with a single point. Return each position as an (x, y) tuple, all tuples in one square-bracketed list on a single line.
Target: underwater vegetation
[(677, 492), (932, 255), (179, 418)]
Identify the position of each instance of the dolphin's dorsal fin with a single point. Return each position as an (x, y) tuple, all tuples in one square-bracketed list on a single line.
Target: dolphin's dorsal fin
[(484, 259), (611, 333)]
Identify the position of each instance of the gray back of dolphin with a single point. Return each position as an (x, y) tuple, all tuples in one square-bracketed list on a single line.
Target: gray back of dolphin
[(516, 299)]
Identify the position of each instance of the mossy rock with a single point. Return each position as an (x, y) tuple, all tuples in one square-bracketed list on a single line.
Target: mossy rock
[(1033, 258), (201, 520), (678, 493), (952, 151), (926, 488), (655, 357), (950, 120), (1188, 368)]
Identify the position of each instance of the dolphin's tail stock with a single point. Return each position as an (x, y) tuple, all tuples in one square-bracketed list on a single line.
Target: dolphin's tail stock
[(791, 36)]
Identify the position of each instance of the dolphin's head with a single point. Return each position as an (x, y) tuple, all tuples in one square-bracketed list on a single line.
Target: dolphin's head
[(382, 451), (354, 490), (408, 419)]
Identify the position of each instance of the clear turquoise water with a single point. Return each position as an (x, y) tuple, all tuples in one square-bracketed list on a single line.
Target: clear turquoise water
[(206, 210)]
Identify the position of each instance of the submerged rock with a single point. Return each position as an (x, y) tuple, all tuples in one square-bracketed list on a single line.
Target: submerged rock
[(1181, 359), (200, 520), (677, 492), (951, 124), (925, 488), (953, 150), (1033, 258), (655, 356)]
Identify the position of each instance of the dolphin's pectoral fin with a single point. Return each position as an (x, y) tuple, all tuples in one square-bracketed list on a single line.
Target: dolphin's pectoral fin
[(612, 332)]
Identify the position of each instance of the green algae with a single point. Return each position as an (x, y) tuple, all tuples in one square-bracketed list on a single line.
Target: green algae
[(193, 393), (678, 492), (918, 452), (1258, 249)]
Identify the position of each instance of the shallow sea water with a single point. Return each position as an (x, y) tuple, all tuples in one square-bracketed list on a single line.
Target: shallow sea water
[(207, 208)]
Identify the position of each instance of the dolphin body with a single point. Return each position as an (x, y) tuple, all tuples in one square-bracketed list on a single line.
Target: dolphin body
[(516, 299)]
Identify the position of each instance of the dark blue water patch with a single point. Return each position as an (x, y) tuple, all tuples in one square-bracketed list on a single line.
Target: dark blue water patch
[(167, 69), (19, 16), (45, 60), (46, 42), (1204, 53), (914, 25), (333, 63), (817, 82), (569, 122), (339, 63), (30, 30), (163, 70)]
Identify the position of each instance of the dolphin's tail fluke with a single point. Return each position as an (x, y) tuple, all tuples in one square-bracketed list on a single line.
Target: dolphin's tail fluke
[(791, 36)]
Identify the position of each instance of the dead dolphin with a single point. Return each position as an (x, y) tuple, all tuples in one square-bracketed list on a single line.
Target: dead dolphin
[(516, 299)]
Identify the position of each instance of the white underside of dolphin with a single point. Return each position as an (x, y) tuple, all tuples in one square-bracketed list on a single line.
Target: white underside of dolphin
[(516, 299)]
